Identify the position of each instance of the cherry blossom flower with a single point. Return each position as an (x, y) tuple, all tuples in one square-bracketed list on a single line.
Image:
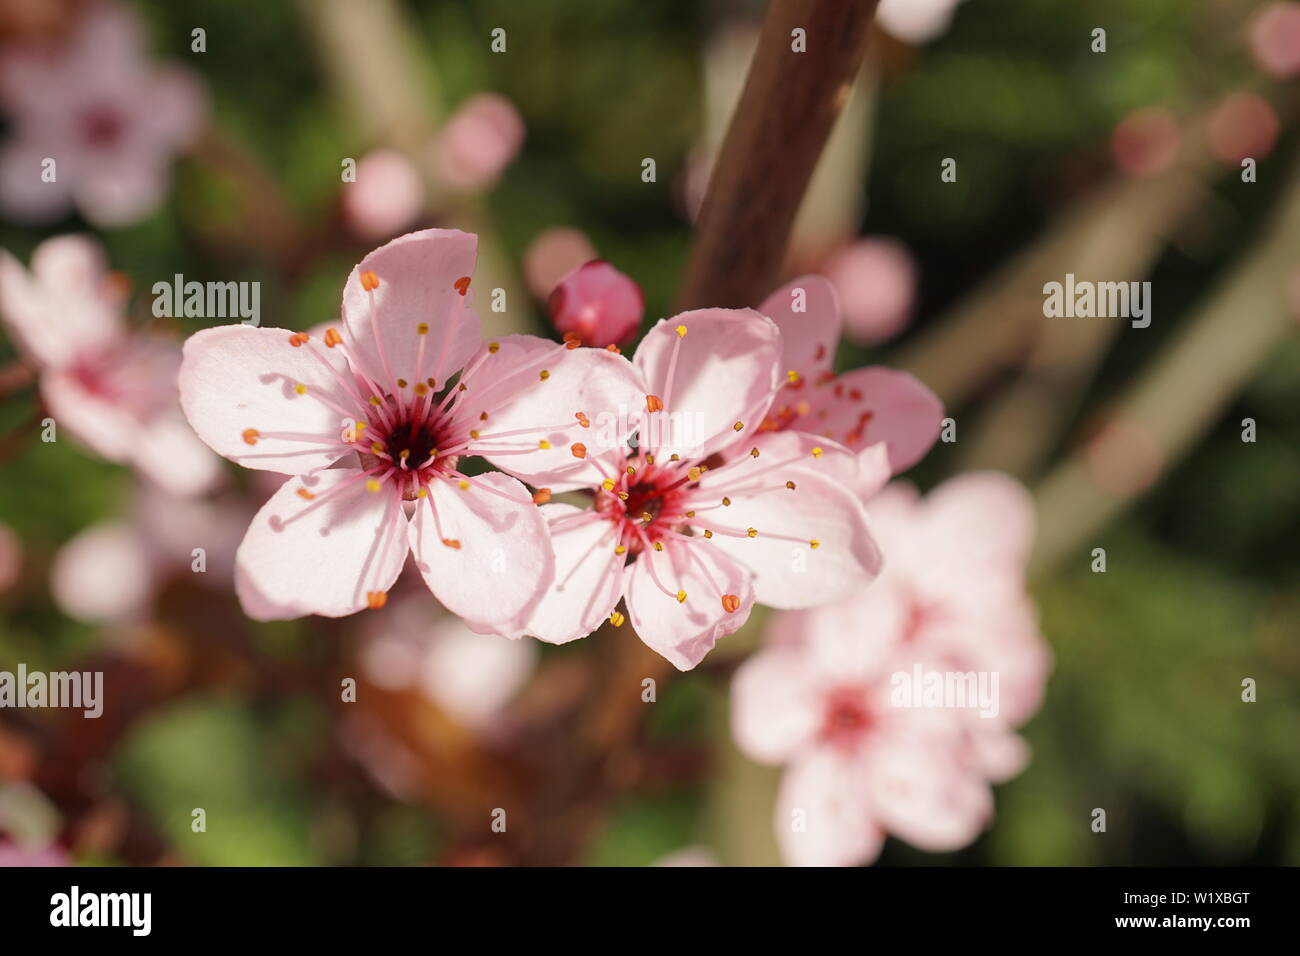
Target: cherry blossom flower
[(1274, 39), (596, 305), (110, 120), (707, 513), (887, 417), (822, 697), (374, 417), (113, 390), (21, 855)]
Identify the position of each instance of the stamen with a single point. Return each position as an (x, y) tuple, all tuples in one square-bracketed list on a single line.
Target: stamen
[(299, 339), (369, 281), (332, 338), (731, 603), (250, 436), (376, 599), (541, 496), (616, 619)]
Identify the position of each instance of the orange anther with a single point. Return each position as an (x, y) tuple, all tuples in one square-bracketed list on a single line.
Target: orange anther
[(369, 281), (462, 285), (730, 603), (579, 449), (251, 435)]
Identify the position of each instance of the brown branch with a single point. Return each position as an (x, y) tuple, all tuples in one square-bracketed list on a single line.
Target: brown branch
[(790, 103)]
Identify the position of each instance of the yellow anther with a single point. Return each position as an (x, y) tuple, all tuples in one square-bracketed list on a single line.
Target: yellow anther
[(473, 433), (464, 485), (372, 485), (793, 376), (375, 400), (616, 619), (377, 448), (401, 383), (543, 444), (608, 484), (658, 545), (814, 544), (695, 473), (681, 331), (817, 452), (543, 375), (726, 502), (423, 328), (751, 532), (708, 533), (300, 388), (621, 549), (422, 493), (421, 389), (681, 597), (404, 454), (753, 453), (494, 347), (738, 426), (790, 485)]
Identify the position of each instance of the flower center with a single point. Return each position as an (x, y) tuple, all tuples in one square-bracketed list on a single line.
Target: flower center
[(847, 718), (102, 126)]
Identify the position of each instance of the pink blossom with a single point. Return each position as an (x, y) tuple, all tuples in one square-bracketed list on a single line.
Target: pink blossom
[(386, 198), (596, 305), (479, 141), (1243, 125), (887, 417), (823, 697), (875, 278), (109, 118), (112, 570), (1146, 141), (708, 513), (115, 391), (1275, 39), (552, 255), (23, 855), (373, 418), (470, 677)]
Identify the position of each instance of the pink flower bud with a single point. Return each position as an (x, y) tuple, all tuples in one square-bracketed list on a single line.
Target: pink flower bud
[(479, 141), (597, 305), (386, 198)]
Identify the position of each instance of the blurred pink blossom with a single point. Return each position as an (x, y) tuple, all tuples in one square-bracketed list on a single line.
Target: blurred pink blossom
[(876, 281), (478, 141), (113, 390), (470, 677), (887, 417), (1146, 141), (552, 255), (825, 696), (1274, 37), (362, 417), (387, 197), (1243, 125), (110, 119), (22, 855), (596, 305), (111, 571), (703, 517), (916, 21)]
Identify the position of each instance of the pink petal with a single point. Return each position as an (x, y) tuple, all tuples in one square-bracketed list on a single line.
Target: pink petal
[(685, 631), (122, 188), (875, 404), (66, 306), (176, 108), (484, 551), (237, 378), (775, 705), (601, 386), (823, 815), (985, 518), (876, 281), (808, 338), (104, 427), (789, 572), (417, 276), (24, 196), (598, 304), (323, 556), (724, 370), (169, 453), (588, 577), (922, 795)]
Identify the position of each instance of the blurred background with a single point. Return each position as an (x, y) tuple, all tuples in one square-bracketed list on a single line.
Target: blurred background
[(1122, 164)]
